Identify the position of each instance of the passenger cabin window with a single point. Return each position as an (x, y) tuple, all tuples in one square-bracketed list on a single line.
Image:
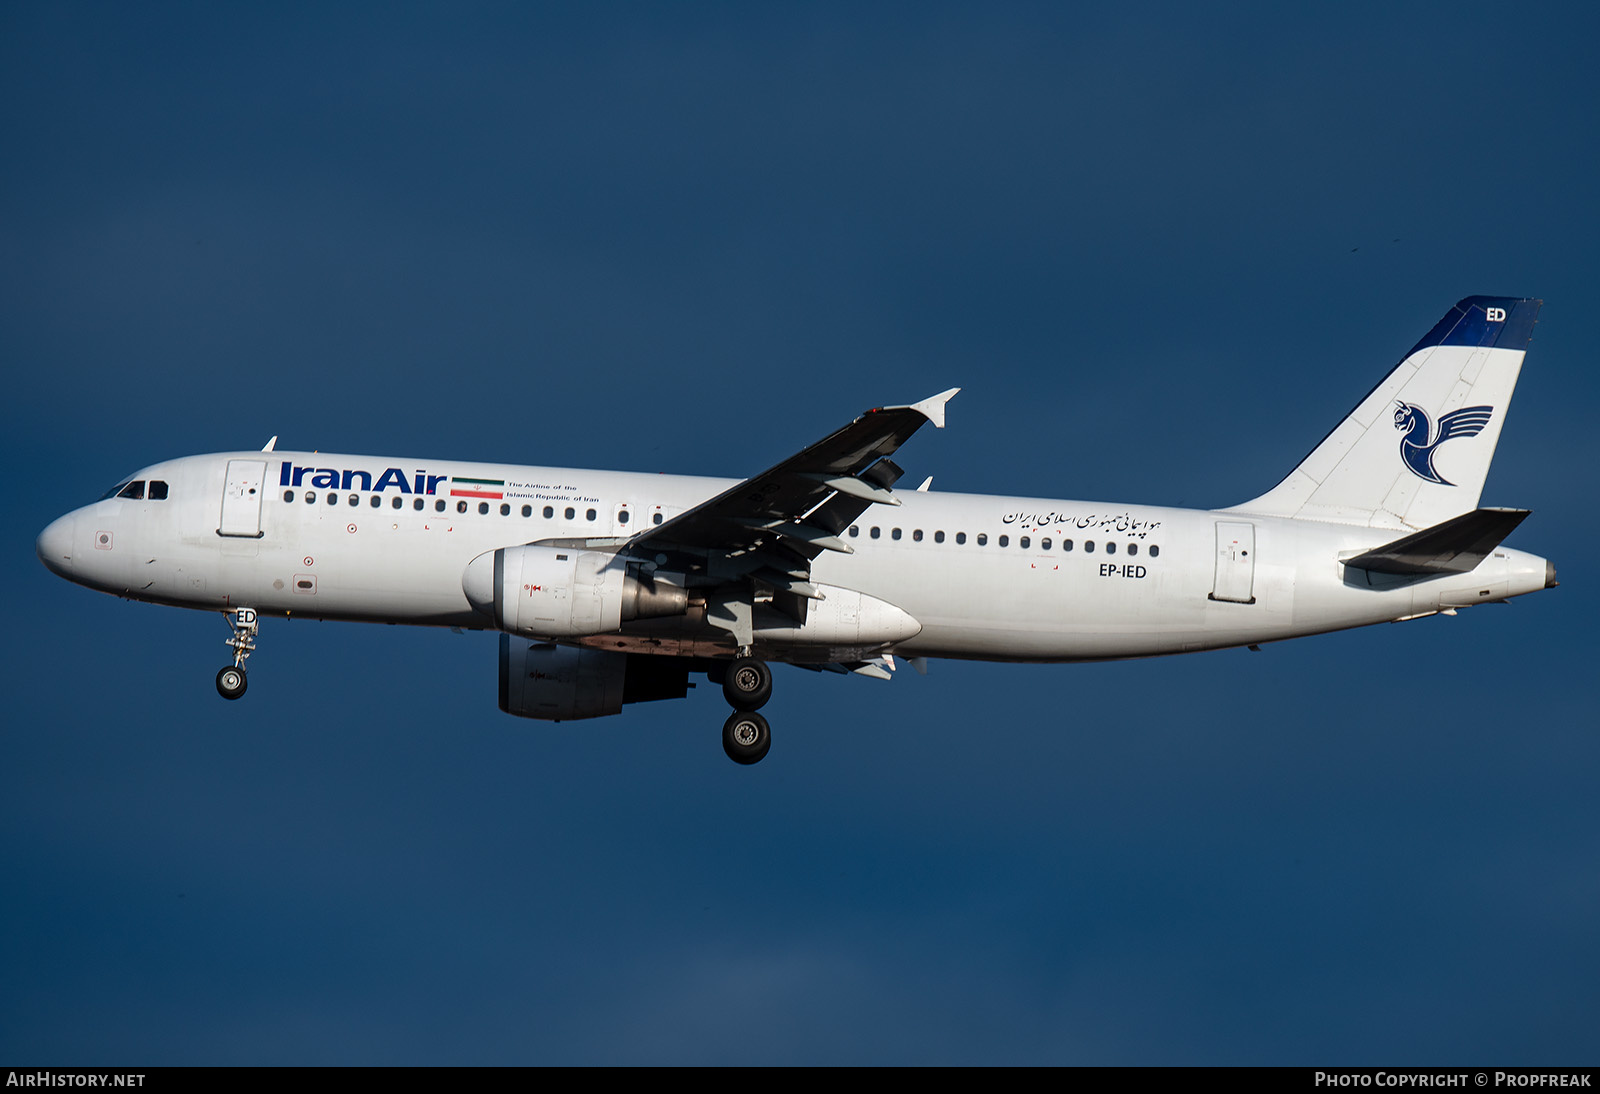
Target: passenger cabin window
[(398, 502), (438, 506), (505, 510), (527, 510), (571, 512), (355, 499), (1133, 548), (590, 515), (483, 508), (288, 495), (1023, 543), (983, 538), (961, 537), (377, 500), (1154, 551), (311, 498), (622, 516), (895, 534), (416, 503), (461, 507), (333, 499), (656, 519), (938, 537), (1005, 541), (549, 512), (1111, 548)]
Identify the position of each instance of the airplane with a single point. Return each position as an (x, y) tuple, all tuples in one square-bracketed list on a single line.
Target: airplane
[(611, 588)]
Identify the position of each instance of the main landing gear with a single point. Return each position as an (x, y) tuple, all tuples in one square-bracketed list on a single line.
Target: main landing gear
[(747, 685), (231, 679)]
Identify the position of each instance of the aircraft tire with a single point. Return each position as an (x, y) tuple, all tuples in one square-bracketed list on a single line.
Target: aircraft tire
[(231, 682), (746, 737), (747, 685)]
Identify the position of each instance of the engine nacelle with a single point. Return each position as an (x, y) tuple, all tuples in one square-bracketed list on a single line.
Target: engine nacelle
[(560, 683), (566, 592)]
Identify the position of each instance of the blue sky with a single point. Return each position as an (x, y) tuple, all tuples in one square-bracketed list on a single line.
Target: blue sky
[(1161, 249)]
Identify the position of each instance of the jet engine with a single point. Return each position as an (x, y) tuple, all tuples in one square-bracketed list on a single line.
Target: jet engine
[(557, 683), (567, 592)]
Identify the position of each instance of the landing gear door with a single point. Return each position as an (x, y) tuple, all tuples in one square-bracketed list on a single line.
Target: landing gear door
[(1236, 563), (241, 499)]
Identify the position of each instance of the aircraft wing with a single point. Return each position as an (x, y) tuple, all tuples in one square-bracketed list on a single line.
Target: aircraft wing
[(801, 505), (758, 539)]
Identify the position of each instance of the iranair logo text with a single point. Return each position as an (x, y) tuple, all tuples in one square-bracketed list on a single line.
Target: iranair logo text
[(332, 478), (1418, 442)]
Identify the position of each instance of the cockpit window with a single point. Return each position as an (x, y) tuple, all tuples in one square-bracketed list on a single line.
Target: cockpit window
[(134, 490), (158, 490), (114, 491)]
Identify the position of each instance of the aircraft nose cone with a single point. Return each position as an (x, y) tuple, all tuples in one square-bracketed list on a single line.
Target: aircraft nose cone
[(54, 546)]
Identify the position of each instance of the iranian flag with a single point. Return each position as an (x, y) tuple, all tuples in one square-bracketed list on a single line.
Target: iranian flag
[(476, 488)]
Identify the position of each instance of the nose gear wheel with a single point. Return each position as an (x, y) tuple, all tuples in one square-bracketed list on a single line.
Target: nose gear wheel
[(231, 679)]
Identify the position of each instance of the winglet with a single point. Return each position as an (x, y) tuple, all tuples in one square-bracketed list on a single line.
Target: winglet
[(931, 408), (270, 445)]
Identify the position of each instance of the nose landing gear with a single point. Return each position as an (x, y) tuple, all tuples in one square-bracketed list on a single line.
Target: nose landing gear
[(231, 679), (231, 682)]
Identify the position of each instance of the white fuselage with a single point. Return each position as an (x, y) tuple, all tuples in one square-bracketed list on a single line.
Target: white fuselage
[(985, 577)]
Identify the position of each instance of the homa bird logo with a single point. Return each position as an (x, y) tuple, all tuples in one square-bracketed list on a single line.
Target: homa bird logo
[(1417, 450)]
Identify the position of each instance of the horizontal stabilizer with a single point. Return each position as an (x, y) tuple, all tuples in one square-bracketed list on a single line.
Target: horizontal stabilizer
[(1453, 547)]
